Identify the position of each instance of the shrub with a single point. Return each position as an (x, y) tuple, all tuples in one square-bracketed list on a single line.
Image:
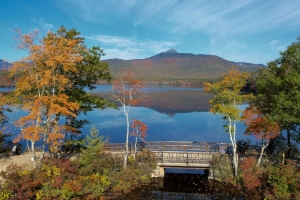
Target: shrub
[(283, 180), (222, 169), (250, 173)]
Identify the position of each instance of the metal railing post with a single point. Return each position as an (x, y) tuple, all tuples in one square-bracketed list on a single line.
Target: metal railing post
[(187, 158)]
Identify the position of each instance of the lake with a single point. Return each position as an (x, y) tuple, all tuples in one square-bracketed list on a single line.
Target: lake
[(171, 114)]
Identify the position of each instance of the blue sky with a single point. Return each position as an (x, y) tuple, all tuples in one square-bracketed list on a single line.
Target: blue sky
[(236, 30)]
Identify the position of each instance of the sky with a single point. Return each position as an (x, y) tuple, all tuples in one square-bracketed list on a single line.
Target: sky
[(236, 30)]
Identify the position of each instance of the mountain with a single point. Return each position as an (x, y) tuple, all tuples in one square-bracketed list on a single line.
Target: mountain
[(171, 65), (4, 64), (171, 102)]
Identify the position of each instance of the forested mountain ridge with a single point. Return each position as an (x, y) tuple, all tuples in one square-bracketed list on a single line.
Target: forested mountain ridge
[(4, 64), (5, 79), (171, 65)]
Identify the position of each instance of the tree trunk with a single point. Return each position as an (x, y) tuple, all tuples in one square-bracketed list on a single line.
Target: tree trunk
[(288, 135), (43, 149), (232, 131), (29, 151), (261, 154), (33, 154), (135, 147), (127, 135)]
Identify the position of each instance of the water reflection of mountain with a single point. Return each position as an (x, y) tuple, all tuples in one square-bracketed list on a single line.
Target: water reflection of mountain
[(175, 101), (172, 102)]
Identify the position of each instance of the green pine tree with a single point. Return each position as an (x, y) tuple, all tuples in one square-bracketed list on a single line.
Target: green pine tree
[(92, 158)]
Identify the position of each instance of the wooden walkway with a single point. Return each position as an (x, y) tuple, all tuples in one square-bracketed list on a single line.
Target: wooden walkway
[(293, 162), (173, 154)]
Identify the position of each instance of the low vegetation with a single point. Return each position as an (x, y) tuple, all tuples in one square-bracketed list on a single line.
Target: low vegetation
[(95, 174), (273, 179)]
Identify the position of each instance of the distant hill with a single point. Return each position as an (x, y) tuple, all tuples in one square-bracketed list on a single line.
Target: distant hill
[(4, 64), (171, 65)]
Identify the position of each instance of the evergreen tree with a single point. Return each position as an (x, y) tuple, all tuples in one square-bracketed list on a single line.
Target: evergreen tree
[(93, 159), (92, 153)]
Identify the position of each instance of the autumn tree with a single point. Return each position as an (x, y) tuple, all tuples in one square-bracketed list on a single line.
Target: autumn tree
[(89, 71), (278, 90), (227, 102), (139, 131), (127, 91), (51, 84), (260, 126), (3, 119)]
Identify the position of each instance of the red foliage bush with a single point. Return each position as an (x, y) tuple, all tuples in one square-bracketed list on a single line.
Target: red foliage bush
[(250, 174)]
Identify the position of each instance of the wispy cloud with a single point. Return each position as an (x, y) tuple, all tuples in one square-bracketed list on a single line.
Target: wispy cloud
[(128, 47), (214, 17), (276, 45), (44, 25), (273, 42), (28, 9)]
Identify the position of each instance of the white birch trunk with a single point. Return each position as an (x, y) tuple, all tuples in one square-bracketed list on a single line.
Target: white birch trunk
[(127, 134), (135, 147), (232, 133), (33, 154), (261, 154)]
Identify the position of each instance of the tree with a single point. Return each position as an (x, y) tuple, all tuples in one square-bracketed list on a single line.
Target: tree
[(278, 90), (127, 91), (41, 87), (3, 119), (51, 85), (89, 71), (260, 126), (139, 131), (227, 101), (92, 156)]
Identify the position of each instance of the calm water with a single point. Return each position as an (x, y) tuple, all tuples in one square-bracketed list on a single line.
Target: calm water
[(171, 114)]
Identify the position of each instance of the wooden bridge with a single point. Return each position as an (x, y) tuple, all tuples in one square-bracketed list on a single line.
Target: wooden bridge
[(175, 154)]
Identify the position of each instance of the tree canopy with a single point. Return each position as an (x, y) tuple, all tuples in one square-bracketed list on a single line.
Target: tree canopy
[(278, 89), (52, 82), (227, 102)]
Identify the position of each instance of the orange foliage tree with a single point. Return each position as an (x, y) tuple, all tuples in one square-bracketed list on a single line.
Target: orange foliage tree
[(139, 131), (41, 87), (260, 126), (127, 91)]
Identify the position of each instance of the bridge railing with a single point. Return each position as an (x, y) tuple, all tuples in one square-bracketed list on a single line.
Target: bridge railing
[(183, 157), (184, 146)]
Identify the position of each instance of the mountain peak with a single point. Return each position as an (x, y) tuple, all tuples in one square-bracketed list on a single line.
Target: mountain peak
[(170, 51)]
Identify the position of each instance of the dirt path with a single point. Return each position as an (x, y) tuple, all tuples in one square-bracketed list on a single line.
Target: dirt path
[(25, 158), (6, 160)]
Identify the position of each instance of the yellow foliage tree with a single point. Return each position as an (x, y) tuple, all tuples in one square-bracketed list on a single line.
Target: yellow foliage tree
[(227, 102)]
